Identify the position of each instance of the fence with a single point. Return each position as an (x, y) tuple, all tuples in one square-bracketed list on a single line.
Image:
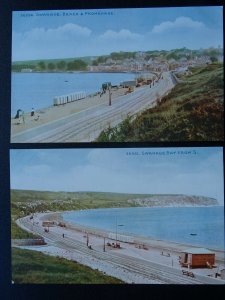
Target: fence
[(28, 242)]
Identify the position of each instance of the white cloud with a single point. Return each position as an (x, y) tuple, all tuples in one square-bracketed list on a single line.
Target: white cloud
[(181, 22), (57, 42), (121, 35), (68, 29), (73, 29), (40, 34)]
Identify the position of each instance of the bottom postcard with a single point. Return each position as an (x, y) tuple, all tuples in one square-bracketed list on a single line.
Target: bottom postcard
[(117, 215)]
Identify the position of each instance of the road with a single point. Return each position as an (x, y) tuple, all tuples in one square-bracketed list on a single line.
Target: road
[(155, 272), (86, 125)]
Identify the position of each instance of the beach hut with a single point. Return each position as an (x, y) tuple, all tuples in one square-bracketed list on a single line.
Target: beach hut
[(129, 84), (61, 99), (48, 223), (197, 258), (223, 274), (56, 101)]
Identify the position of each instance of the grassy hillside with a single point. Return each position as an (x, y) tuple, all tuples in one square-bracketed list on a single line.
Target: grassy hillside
[(193, 111), (87, 59), (34, 267), (26, 202)]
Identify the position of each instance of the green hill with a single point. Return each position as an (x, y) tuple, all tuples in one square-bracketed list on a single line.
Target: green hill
[(25, 202), (193, 111), (30, 201)]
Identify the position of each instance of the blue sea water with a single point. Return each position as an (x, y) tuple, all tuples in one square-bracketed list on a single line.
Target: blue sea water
[(37, 90), (164, 223)]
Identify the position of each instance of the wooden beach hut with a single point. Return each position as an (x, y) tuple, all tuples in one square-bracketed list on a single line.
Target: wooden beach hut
[(197, 258)]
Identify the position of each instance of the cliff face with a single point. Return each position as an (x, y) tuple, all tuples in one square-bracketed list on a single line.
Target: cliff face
[(174, 201)]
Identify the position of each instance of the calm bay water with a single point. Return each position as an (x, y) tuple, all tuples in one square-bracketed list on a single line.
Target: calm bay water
[(37, 90), (164, 223)]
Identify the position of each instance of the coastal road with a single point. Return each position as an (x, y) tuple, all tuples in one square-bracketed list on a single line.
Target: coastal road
[(154, 272), (86, 125)]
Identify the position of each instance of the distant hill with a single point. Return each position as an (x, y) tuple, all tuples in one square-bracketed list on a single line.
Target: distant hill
[(164, 54), (56, 65), (24, 202), (63, 64), (174, 201), (87, 59)]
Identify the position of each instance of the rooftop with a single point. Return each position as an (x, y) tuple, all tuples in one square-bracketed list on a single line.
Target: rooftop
[(197, 251)]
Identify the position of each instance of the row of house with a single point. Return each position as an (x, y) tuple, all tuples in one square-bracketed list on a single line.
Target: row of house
[(154, 65)]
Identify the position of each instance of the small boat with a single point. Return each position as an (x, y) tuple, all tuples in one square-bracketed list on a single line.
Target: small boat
[(193, 233)]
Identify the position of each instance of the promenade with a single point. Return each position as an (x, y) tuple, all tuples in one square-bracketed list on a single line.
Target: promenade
[(84, 120)]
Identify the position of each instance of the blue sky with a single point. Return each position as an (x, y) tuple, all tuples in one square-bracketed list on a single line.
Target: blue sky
[(63, 34), (191, 171)]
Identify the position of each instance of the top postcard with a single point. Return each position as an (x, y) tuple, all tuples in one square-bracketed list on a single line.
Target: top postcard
[(117, 75)]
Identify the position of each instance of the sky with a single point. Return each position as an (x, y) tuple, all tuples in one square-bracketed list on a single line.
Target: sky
[(77, 33), (190, 171)]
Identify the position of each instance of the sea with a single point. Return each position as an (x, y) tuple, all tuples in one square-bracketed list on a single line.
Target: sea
[(196, 226), (37, 90)]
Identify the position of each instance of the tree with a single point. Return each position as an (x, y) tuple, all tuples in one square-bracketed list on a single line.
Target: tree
[(214, 59), (76, 65), (95, 63), (41, 65), (101, 59), (61, 65), (51, 66)]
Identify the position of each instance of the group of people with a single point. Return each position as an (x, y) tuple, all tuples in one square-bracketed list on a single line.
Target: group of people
[(20, 114)]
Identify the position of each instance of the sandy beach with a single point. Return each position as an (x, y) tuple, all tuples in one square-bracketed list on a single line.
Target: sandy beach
[(140, 261), (52, 113)]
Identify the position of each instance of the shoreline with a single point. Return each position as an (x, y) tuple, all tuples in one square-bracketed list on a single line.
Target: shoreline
[(69, 72), (173, 246)]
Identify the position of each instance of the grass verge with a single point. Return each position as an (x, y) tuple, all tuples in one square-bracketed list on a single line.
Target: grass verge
[(36, 268), (192, 111)]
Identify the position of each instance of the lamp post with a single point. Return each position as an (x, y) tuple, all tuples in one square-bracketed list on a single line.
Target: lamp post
[(117, 228), (104, 245), (120, 225), (87, 239), (110, 100)]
